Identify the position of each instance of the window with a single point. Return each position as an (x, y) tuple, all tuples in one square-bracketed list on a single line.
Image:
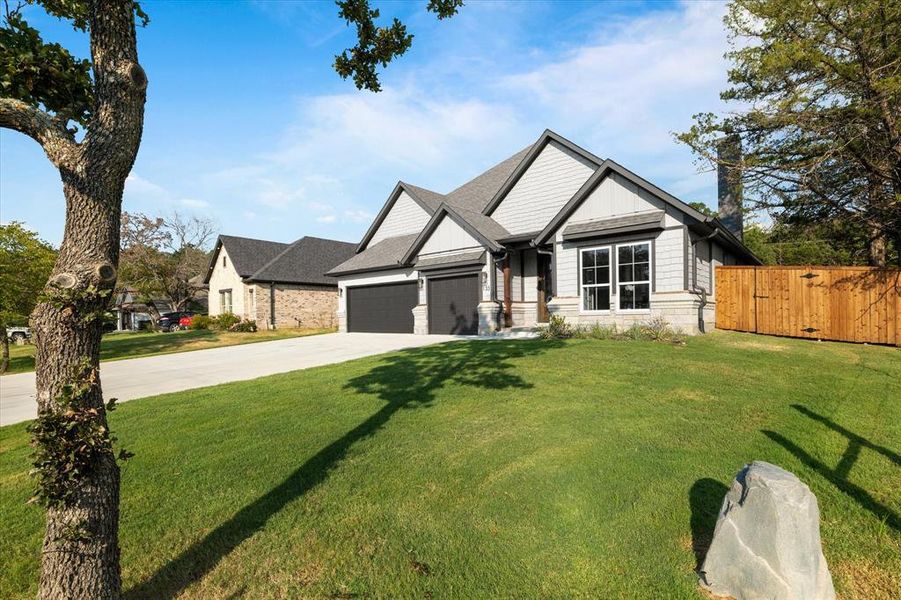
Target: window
[(225, 301), (594, 270), (634, 276), (223, 261)]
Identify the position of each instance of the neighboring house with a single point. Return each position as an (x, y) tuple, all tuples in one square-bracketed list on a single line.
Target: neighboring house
[(132, 312), (552, 230), (275, 284)]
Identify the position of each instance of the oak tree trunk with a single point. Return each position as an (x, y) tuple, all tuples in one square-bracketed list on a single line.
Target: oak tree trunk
[(80, 557), (4, 341)]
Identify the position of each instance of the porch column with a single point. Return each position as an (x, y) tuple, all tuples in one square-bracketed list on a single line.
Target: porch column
[(508, 293)]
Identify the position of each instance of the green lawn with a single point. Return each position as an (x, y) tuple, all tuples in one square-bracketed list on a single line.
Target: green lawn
[(116, 346), (518, 469)]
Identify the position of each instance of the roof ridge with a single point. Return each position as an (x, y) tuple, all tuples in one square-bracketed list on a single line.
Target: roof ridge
[(241, 237)]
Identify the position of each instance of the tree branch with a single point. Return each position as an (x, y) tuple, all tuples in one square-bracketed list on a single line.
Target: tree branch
[(50, 132)]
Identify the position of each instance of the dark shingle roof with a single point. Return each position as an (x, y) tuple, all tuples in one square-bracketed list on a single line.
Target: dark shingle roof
[(640, 221), (475, 194), (450, 260), (386, 254), (247, 254), (306, 261)]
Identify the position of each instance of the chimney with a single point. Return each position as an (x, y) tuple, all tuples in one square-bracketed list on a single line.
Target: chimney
[(728, 179)]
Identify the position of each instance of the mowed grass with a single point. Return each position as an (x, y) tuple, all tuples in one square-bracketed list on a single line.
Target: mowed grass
[(516, 469), (116, 346)]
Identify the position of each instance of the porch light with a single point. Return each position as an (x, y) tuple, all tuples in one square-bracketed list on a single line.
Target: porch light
[(484, 278), (421, 283)]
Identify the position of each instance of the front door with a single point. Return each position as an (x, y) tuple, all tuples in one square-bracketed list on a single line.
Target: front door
[(545, 286)]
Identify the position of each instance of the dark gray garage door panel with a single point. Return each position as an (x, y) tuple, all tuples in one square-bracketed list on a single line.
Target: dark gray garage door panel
[(453, 305), (382, 308)]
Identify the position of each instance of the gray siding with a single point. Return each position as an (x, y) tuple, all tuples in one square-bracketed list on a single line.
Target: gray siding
[(406, 216), (448, 236), (551, 180)]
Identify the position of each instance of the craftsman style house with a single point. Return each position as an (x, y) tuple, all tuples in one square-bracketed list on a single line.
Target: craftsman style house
[(552, 230), (277, 285)]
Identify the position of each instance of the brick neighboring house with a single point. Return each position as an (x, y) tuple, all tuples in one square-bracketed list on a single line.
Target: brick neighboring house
[(276, 284)]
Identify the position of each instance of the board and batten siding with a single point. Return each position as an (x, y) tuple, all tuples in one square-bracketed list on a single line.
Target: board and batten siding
[(405, 217), (551, 180), (448, 236)]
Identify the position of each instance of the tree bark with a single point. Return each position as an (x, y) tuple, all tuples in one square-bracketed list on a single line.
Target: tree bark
[(4, 341), (80, 557)]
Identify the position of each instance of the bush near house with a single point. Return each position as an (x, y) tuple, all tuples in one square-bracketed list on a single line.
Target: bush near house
[(655, 329)]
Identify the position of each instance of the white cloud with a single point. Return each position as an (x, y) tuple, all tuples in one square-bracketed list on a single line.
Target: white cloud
[(194, 203), (326, 219), (358, 216)]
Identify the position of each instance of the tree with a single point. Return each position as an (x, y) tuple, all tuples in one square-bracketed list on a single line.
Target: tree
[(49, 95), (816, 86), (162, 258), (25, 264)]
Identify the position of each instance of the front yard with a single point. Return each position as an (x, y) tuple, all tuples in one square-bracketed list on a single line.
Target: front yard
[(116, 346), (514, 469)]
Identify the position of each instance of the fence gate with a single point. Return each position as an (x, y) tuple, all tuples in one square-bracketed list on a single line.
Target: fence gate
[(853, 304)]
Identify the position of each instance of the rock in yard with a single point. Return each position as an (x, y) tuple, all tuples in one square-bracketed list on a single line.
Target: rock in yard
[(766, 543)]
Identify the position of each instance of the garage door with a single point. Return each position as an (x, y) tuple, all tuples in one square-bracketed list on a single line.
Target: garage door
[(382, 308), (453, 305)]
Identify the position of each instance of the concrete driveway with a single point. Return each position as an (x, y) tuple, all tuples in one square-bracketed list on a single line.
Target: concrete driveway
[(152, 375)]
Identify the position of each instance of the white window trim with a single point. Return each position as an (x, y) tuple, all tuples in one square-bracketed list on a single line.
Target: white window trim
[(635, 311), (609, 283)]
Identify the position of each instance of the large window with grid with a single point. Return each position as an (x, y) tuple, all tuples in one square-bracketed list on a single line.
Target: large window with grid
[(594, 279), (633, 262)]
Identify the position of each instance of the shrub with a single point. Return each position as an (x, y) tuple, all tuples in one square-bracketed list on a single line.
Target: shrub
[(557, 329), (245, 326), (596, 331), (201, 322), (225, 321)]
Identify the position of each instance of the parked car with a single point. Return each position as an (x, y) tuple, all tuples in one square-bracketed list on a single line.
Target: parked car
[(18, 335), (170, 321), (185, 322)]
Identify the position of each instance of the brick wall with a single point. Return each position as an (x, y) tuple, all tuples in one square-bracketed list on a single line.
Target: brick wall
[(297, 306)]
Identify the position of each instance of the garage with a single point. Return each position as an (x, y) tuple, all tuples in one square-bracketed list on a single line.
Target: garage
[(386, 308), (453, 305)]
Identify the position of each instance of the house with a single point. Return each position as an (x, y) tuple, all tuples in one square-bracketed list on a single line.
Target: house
[(276, 284), (552, 230), (133, 311)]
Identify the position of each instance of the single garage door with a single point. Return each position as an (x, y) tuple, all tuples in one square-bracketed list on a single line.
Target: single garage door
[(453, 305), (382, 308)]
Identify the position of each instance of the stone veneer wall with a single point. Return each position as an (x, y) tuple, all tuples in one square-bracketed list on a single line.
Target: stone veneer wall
[(297, 306), (680, 309)]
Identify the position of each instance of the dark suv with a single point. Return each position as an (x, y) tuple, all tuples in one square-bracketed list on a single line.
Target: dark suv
[(169, 321)]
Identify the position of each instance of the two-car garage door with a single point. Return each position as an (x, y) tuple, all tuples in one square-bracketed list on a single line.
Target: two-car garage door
[(388, 308)]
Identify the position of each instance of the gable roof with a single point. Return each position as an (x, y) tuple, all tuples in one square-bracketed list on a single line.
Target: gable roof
[(486, 232), (306, 261), (428, 203), (473, 195), (546, 138), (247, 254), (608, 167), (385, 254)]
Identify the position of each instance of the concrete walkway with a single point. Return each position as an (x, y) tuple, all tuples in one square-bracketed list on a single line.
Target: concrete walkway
[(152, 375)]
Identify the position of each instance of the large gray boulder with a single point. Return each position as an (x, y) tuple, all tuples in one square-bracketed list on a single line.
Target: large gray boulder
[(766, 543)]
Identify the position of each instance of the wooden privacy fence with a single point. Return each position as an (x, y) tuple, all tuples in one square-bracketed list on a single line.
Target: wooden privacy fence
[(853, 304)]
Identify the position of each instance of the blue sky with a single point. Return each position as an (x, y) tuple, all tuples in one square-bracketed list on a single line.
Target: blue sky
[(247, 123)]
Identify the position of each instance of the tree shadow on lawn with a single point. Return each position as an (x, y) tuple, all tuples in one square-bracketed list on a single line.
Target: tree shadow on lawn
[(838, 476), (705, 498), (404, 380)]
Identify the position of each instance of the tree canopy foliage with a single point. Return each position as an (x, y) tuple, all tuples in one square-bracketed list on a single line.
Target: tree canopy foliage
[(816, 91), (164, 258), (25, 264)]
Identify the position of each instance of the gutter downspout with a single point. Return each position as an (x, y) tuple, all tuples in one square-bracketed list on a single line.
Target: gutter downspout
[(694, 276), (272, 305)]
